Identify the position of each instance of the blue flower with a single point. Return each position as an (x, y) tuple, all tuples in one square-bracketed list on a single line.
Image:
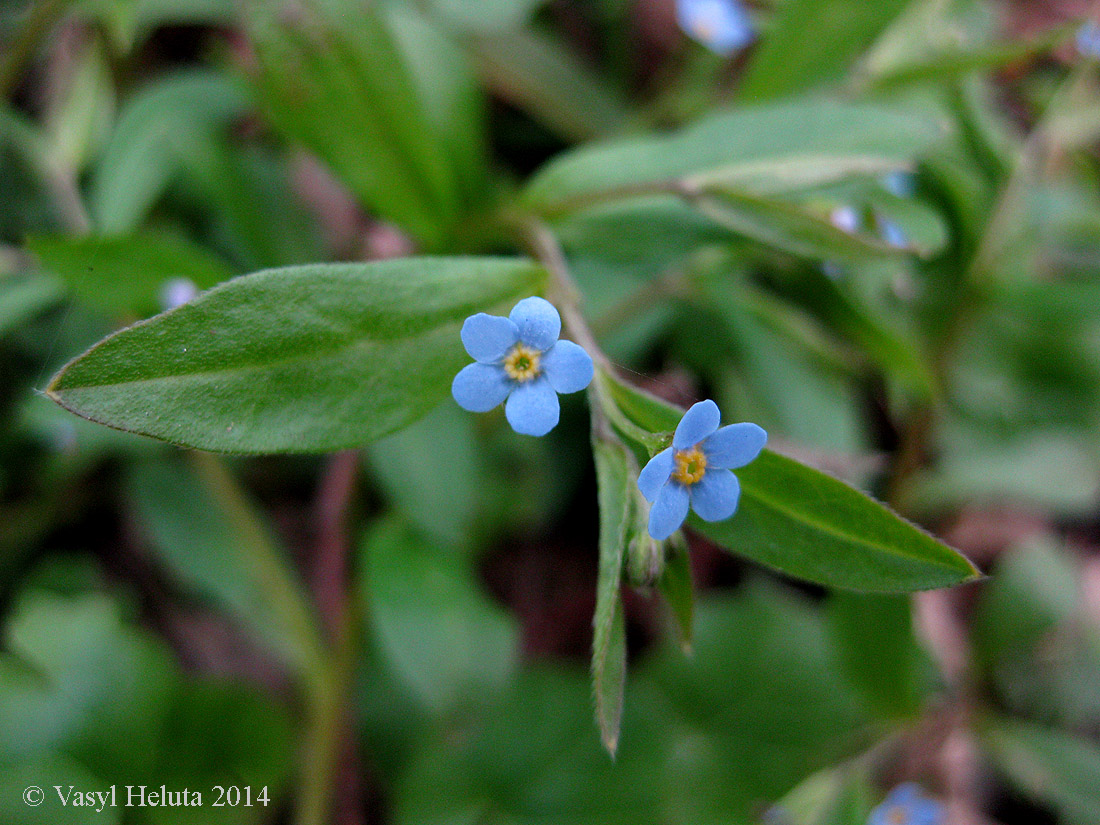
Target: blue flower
[(1088, 40), (177, 292), (519, 359), (695, 470), (900, 184), (723, 26), (907, 805), (892, 232), (846, 219)]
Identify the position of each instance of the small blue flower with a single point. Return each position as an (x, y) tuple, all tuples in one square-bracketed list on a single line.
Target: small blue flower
[(723, 26), (892, 232), (846, 219), (695, 470), (519, 359), (907, 805), (900, 184), (1088, 40), (177, 292)]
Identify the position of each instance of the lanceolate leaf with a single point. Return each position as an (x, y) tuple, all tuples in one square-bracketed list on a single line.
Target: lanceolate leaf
[(714, 147), (808, 524), (302, 359), (1050, 765), (811, 525), (609, 633), (789, 227)]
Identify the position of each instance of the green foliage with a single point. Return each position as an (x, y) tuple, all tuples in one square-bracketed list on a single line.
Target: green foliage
[(102, 703), (342, 87), (124, 275), (617, 496), (154, 131), (732, 147), (443, 638), (874, 233)]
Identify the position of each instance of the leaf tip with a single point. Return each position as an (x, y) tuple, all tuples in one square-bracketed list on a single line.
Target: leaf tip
[(611, 743)]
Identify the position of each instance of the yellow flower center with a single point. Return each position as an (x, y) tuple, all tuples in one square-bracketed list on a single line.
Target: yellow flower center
[(691, 466), (897, 816), (522, 363)]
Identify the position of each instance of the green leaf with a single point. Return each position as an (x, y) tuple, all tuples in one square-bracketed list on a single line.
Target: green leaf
[(202, 542), (616, 495), (453, 101), (248, 194), (24, 298), (678, 588), (439, 633), (782, 133), (835, 796), (951, 63), (876, 650), (1054, 767), (758, 706), (433, 473), (810, 525), (154, 127), (78, 681), (1037, 646), (124, 275), (813, 42), (303, 359), (81, 108), (789, 227), (343, 89), (884, 346), (221, 733), (544, 78), (490, 16)]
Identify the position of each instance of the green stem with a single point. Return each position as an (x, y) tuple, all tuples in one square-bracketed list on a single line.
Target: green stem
[(327, 731), (277, 581), (322, 672)]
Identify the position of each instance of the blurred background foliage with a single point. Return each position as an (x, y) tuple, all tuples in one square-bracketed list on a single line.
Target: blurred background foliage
[(936, 342)]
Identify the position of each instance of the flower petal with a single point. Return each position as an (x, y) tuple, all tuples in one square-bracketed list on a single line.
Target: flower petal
[(533, 408), (655, 474), (734, 445), (926, 812), (668, 511), (538, 322), (904, 794), (724, 26), (698, 422), (488, 337), (480, 387), (568, 367), (715, 497)]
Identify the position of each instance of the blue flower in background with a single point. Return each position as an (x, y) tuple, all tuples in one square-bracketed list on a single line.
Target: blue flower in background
[(901, 184), (1088, 40), (892, 232), (723, 26), (177, 292), (907, 805), (519, 359), (695, 471), (846, 218)]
